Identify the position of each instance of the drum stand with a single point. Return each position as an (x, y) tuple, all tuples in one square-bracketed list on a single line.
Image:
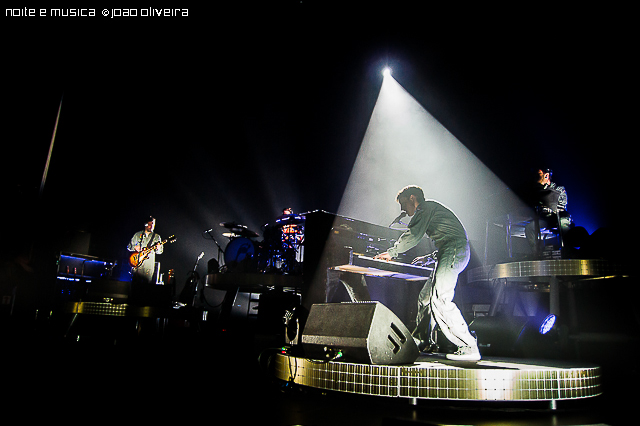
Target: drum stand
[(291, 244)]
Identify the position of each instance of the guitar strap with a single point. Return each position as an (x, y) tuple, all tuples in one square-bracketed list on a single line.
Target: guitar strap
[(150, 243)]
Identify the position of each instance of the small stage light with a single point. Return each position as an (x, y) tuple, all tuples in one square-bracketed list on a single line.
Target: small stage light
[(547, 324), (514, 335), (386, 72)]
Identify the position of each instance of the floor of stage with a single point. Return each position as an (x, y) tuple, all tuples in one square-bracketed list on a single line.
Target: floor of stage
[(221, 378)]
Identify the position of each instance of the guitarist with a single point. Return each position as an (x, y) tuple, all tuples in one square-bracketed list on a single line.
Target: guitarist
[(144, 273)]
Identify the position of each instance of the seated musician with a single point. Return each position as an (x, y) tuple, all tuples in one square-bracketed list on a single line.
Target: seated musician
[(291, 238), (435, 302), (290, 231), (550, 203)]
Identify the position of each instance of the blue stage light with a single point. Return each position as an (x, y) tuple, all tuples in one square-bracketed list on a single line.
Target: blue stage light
[(547, 324)]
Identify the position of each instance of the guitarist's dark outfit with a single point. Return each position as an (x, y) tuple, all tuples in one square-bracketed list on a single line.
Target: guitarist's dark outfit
[(144, 273)]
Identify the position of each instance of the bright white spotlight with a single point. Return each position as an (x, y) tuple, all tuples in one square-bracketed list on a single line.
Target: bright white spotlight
[(404, 144), (386, 72)]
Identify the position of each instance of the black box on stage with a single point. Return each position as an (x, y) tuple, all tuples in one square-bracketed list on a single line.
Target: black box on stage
[(366, 333), (104, 290)]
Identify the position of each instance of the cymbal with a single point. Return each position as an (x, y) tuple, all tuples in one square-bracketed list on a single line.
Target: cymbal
[(289, 219), (230, 225), (237, 230)]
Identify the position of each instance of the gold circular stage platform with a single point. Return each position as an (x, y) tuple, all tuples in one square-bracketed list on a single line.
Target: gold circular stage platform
[(435, 377)]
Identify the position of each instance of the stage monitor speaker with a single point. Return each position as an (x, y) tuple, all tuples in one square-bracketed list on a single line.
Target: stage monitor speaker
[(106, 290), (366, 333), (499, 335)]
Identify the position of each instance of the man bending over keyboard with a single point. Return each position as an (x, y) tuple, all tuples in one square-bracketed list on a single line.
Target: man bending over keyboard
[(435, 302)]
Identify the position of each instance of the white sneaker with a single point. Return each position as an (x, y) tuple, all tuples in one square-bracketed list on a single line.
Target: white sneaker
[(465, 353)]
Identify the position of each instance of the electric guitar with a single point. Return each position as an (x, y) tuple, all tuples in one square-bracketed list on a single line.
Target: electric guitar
[(136, 258)]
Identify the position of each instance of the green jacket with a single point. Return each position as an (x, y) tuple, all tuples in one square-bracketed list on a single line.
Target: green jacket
[(436, 221)]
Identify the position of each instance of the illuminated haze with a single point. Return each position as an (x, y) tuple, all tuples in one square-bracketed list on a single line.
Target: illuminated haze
[(405, 145)]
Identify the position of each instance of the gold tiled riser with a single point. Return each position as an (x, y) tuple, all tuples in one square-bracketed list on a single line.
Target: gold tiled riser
[(486, 380)]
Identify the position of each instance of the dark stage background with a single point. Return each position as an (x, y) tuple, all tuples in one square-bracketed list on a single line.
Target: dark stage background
[(231, 114)]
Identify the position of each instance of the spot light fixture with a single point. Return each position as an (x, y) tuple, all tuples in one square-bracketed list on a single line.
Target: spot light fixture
[(547, 324)]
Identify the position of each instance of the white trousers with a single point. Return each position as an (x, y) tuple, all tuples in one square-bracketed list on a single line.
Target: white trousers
[(435, 302)]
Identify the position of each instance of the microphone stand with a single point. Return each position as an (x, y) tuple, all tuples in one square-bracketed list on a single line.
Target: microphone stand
[(399, 218), (220, 251), (190, 290), (195, 278)]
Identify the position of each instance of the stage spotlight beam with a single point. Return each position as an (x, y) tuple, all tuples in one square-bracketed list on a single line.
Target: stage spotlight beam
[(386, 72), (405, 145)]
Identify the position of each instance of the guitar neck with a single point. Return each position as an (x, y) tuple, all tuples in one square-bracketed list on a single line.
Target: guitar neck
[(156, 245)]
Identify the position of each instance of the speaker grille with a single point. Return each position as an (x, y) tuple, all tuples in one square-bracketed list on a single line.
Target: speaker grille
[(358, 332)]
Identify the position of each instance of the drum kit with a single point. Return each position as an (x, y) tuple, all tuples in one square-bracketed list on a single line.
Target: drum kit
[(281, 250)]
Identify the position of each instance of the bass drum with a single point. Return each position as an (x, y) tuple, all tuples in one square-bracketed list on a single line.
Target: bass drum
[(241, 255)]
